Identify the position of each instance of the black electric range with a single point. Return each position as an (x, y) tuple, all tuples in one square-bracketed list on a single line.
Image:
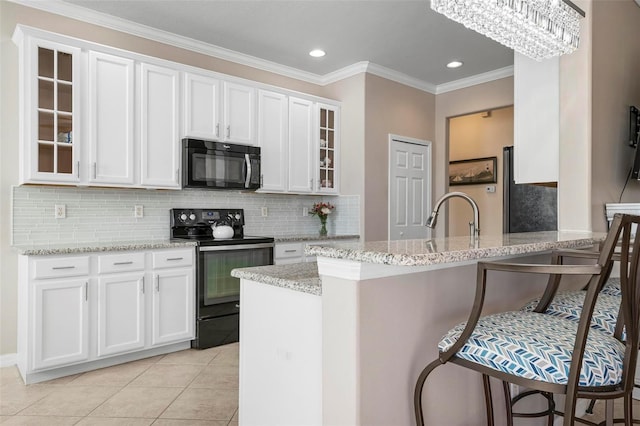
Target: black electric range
[(217, 292)]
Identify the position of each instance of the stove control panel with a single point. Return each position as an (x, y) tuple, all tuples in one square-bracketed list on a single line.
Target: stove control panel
[(206, 217)]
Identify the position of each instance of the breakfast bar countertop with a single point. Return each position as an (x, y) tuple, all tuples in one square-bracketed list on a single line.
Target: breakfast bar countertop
[(296, 276), (453, 249), (314, 237), (88, 247)]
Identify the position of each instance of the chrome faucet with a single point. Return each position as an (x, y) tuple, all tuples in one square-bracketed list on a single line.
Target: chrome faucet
[(474, 227)]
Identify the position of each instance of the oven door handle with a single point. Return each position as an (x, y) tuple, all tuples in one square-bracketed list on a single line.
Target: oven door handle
[(247, 161), (236, 247)]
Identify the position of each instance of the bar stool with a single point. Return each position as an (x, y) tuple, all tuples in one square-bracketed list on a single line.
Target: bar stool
[(550, 353)]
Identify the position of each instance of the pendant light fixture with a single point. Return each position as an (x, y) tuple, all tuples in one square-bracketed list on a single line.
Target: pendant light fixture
[(538, 29)]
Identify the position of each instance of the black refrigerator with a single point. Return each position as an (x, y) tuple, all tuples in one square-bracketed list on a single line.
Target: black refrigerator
[(527, 208)]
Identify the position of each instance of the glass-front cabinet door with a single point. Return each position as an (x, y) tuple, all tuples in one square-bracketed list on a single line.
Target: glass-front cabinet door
[(52, 120), (328, 148)]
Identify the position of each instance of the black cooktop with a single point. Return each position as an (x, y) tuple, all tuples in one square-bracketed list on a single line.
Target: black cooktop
[(196, 225)]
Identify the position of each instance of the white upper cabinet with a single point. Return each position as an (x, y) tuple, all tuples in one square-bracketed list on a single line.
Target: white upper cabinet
[(202, 106), (328, 145), (239, 113), (111, 119), (219, 110), (301, 146), (50, 84), (95, 115), (159, 135), (299, 142), (273, 139), (536, 119)]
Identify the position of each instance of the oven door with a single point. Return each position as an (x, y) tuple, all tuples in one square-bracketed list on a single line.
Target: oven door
[(216, 286), (221, 168)]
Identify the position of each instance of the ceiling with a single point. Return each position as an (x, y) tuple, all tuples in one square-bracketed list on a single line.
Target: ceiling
[(405, 37)]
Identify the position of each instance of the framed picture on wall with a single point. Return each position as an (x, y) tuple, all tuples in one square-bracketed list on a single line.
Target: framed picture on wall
[(473, 171)]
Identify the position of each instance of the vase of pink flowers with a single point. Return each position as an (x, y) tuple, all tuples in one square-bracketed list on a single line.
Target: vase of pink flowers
[(322, 210)]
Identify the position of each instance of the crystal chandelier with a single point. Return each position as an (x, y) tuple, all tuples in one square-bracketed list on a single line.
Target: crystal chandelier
[(538, 29)]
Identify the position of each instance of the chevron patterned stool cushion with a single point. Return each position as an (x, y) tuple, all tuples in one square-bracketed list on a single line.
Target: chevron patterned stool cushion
[(539, 347), (612, 287), (568, 305)]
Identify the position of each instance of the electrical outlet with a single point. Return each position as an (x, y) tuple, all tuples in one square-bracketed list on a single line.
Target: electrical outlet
[(305, 212), (60, 211), (265, 211), (139, 211), (490, 188)]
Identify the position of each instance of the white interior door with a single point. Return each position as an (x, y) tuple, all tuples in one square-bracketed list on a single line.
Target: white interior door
[(409, 188)]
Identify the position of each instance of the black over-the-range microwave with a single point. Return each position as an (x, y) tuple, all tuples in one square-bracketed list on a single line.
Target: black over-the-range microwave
[(219, 165)]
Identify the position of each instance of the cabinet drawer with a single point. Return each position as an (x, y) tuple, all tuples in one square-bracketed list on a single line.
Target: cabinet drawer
[(172, 258), (60, 267), (288, 250), (124, 262)]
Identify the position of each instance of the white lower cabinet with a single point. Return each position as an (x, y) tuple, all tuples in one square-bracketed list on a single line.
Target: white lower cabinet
[(81, 312), (121, 310), (61, 322), (173, 306)]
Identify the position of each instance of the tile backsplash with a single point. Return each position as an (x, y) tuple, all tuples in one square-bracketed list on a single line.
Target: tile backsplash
[(105, 214)]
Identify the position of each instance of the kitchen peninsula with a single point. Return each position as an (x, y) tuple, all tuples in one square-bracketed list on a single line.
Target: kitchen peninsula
[(344, 343)]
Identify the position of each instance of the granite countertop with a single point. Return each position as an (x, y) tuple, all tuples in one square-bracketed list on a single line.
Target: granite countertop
[(297, 276), (453, 249), (314, 237), (71, 248)]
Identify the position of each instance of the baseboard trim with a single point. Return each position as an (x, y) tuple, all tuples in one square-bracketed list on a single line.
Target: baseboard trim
[(7, 360)]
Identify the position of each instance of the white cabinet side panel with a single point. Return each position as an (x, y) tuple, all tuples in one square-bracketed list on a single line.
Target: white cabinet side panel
[(536, 113), (280, 356)]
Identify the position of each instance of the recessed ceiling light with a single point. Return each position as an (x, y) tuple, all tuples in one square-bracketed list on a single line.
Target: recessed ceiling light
[(454, 64), (317, 53)]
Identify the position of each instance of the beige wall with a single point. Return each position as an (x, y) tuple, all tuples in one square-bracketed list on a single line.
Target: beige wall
[(389, 108), (482, 97), (11, 14), (616, 86), (475, 136)]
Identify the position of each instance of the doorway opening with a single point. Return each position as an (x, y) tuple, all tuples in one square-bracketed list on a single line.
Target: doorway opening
[(479, 135)]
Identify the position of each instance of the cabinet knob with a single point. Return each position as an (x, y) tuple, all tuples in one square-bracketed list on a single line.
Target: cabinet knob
[(217, 129), (228, 131)]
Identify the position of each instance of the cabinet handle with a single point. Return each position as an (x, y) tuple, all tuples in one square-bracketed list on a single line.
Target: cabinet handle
[(311, 184), (175, 258), (86, 291), (261, 180), (177, 175), (237, 305), (229, 131), (63, 267), (123, 263), (291, 251), (94, 170), (158, 283), (78, 169), (142, 285), (217, 129)]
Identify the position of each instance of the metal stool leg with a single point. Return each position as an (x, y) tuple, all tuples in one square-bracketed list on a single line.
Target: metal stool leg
[(488, 399), (507, 402), (417, 395)]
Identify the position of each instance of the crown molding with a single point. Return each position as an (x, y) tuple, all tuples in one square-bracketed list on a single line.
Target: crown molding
[(475, 79), (76, 12), (398, 77), (346, 72), (86, 15)]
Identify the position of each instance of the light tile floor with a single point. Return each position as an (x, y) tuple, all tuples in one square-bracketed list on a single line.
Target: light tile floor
[(191, 387)]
